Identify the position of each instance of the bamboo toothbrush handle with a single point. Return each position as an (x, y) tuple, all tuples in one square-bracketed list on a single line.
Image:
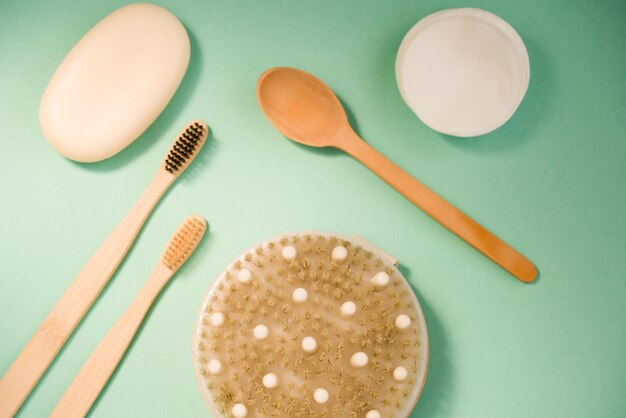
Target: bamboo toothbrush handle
[(39, 352), (440, 210), (89, 382)]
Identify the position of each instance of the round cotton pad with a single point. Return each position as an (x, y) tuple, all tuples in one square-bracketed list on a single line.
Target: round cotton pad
[(463, 72), (325, 327)]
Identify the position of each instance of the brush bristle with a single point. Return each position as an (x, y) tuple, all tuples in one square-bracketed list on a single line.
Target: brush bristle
[(311, 326), (186, 147), (184, 241)]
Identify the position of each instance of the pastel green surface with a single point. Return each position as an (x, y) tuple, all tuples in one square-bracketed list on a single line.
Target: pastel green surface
[(551, 182)]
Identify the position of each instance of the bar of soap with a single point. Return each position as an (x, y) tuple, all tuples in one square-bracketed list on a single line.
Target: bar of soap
[(115, 82)]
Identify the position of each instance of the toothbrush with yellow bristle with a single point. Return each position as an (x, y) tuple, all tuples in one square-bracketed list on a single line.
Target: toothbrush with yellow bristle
[(84, 390), (43, 347)]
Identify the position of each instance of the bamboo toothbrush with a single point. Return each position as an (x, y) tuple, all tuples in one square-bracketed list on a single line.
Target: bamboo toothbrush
[(39, 352), (84, 390)]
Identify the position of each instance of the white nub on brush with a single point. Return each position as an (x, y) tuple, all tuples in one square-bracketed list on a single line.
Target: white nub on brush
[(400, 374), (403, 322), (289, 252), (214, 366), (270, 380), (217, 319), (339, 254), (373, 414), (239, 410), (321, 395), (300, 295), (261, 332), (348, 309), (359, 360), (380, 280), (244, 276), (309, 345)]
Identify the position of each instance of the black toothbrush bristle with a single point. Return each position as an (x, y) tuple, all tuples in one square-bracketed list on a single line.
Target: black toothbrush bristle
[(184, 147)]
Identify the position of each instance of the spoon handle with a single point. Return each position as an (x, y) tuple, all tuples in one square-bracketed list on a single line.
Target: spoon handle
[(440, 210)]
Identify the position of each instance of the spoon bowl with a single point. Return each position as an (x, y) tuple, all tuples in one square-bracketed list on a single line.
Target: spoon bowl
[(301, 106)]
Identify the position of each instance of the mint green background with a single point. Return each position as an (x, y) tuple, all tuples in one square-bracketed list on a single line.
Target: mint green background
[(551, 182)]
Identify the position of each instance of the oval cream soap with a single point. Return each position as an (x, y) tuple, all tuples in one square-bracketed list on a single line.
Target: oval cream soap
[(115, 82)]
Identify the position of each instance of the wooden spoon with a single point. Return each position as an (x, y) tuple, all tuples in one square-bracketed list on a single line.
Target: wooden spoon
[(305, 110)]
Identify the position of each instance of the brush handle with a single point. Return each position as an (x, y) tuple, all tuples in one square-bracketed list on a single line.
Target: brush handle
[(439, 209), (89, 382), (42, 348)]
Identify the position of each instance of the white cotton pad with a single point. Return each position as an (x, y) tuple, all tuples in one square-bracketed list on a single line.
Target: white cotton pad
[(115, 82), (463, 72)]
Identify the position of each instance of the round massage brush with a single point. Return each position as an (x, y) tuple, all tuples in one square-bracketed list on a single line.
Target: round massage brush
[(311, 325)]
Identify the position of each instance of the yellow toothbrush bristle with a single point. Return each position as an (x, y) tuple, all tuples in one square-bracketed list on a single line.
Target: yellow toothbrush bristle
[(183, 242)]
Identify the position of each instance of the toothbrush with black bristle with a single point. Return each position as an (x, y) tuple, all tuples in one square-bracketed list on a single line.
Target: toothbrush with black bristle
[(88, 383), (32, 362)]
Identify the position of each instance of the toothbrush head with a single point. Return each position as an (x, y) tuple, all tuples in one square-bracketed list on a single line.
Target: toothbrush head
[(184, 241), (186, 147)]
